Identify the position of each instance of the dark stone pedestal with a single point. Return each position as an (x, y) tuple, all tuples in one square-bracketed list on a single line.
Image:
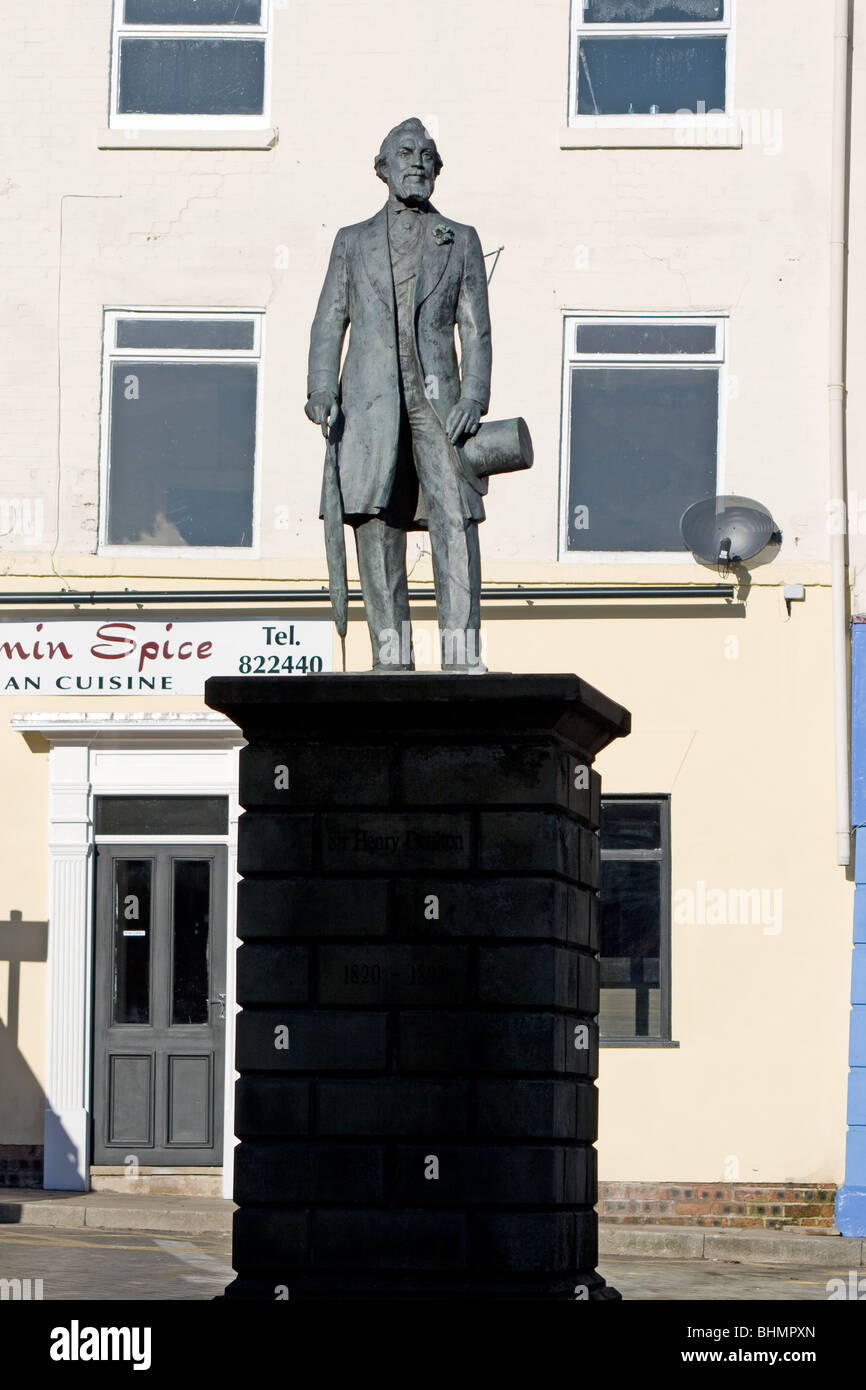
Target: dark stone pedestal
[(419, 983)]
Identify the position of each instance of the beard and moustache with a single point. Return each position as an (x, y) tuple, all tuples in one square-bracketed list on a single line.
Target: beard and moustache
[(414, 188)]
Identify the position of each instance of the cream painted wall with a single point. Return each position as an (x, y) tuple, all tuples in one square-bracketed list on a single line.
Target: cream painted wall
[(738, 230), (730, 705), (743, 743)]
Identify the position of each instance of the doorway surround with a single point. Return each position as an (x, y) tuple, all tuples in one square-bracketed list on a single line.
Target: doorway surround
[(94, 754)]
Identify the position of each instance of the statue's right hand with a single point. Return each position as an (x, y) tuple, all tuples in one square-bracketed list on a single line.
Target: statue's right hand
[(323, 409)]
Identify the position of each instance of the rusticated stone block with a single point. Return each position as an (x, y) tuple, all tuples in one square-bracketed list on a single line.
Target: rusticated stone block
[(272, 972), (534, 976), (389, 1240), (493, 774), (524, 1242), (311, 907), (299, 1173), (517, 1175), (521, 1109), (271, 1106), (491, 905), (311, 1040), (271, 843), (291, 775), (394, 1107), (530, 842), (395, 843), (493, 1042), (394, 975)]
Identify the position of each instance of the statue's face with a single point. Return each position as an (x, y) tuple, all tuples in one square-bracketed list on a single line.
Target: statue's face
[(411, 166)]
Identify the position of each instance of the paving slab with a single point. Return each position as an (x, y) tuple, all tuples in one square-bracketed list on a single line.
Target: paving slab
[(746, 1247), (117, 1211)]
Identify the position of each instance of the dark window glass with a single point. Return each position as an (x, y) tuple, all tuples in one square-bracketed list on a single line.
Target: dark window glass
[(645, 337), (131, 980), (643, 447), (192, 77), (182, 458), (189, 940), (630, 948), (631, 825), (192, 12), (632, 76), (653, 11), (226, 334), (161, 815)]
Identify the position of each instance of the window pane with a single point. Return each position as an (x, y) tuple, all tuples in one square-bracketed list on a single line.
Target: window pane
[(630, 825), (643, 446), (645, 337), (653, 11), (226, 334), (630, 948), (192, 77), (182, 456), (161, 815), (192, 12), (131, 977), (631, 76), (189, 937)]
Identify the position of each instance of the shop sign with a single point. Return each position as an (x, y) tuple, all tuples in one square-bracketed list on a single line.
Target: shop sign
[(135, 656)]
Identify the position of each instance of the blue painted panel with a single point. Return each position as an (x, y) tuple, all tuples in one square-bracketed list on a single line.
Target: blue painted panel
[(857, 1051), (851, 1198), (851, 1210), (855, 1156), (858, 725), (857, 1096)]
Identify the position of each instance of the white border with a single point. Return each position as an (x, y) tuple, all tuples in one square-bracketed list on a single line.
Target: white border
[(141, 121), (720, 359), (670, 121), (77, 776), (111, 354)]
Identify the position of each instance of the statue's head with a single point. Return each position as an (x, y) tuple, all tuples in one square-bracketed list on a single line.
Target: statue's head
[(409, 161)]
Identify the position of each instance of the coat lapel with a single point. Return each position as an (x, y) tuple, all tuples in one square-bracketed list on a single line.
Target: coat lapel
[(434, 259), (377, 257)]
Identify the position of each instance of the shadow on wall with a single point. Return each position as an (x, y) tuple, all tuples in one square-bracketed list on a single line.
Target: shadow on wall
[(22, 1098)]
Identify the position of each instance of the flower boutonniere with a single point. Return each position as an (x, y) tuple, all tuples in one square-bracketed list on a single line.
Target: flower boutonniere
[(442, 235)]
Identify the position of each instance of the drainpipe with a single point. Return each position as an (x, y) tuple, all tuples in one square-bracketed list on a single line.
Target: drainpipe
[(838, 568)]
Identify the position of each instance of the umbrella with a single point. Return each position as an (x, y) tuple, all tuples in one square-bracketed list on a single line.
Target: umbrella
[(335, 544)]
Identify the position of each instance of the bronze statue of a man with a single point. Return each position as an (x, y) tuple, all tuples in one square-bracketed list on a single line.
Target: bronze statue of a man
[(397, 419)]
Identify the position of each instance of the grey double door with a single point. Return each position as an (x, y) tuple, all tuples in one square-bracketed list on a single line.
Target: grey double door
[(159, 1004)]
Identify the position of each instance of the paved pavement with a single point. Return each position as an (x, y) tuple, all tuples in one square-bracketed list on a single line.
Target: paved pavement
[(645, 1279), (116, 1265), (117, 1211), (122, 1265)]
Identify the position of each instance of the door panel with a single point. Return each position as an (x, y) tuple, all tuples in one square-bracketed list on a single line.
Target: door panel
[(190, 1100), (130, 1100), (159, 1016)]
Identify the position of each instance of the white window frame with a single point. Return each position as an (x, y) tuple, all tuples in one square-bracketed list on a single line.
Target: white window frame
[(145, 121), (572, 318), (579, 30), (112, 354)]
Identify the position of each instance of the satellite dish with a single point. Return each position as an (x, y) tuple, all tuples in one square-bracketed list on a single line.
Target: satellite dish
[(725, 531)]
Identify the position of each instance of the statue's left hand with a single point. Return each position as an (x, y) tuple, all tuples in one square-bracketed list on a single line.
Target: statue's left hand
[(463, 418)]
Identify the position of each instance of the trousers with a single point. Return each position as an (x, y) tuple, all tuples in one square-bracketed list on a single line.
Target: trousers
[(381, 547)]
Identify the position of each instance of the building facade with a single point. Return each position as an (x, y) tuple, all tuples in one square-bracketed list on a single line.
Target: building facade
[(653, 184)]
